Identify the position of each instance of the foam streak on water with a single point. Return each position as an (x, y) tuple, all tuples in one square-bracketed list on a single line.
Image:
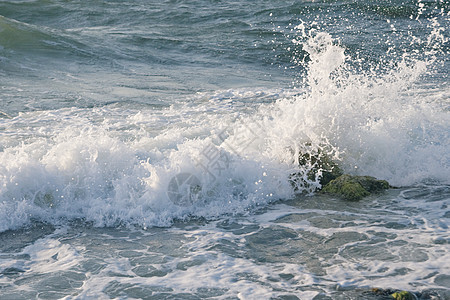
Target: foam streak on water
[(313, 246)]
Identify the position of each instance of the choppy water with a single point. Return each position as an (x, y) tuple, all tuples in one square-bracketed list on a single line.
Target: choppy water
[(146, 149)]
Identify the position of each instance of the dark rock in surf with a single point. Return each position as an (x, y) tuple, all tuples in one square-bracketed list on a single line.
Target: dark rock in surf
[(317, 166), (394, 294), (354, 188), (330, 169), (403, 295)]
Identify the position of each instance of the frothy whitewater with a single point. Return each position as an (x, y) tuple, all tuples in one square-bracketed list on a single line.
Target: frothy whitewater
[(189, 195), (113, 165)]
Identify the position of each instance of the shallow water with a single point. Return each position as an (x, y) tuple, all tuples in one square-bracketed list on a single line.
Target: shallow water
[(147, 149), (310, 247)]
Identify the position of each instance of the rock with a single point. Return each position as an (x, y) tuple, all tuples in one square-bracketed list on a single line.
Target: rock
[(394, 294), (354, 188), (319, 161), (380, 292), (318, 171), (403, 295), (316, 166)]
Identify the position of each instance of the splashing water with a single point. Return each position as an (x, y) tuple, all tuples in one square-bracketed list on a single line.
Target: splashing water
[(208, 119), (111, 166)]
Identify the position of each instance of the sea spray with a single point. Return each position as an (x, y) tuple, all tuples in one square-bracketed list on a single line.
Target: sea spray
[(371, 118), (111, 167)]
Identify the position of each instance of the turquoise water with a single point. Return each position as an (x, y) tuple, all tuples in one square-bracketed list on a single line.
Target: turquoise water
[(147, 149)]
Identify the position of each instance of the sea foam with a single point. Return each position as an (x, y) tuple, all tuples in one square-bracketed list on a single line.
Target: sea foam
[(114, 165)]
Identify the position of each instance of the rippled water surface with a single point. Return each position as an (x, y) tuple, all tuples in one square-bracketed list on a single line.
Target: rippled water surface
[(308, 247)]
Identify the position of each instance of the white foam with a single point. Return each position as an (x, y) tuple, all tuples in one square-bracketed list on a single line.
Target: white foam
[(113, 165)]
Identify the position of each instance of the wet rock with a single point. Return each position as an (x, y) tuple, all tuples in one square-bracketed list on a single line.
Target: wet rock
[(318, 171), (316, 166), (403, 295), (354, 188), (320, 161), (392, 294)]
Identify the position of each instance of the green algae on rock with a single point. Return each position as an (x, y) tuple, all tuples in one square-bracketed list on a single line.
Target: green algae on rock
[(403, 295), (395, 294), (354, 188), (317, 168)]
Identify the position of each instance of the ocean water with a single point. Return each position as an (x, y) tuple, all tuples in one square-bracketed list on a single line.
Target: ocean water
[(147, 148)]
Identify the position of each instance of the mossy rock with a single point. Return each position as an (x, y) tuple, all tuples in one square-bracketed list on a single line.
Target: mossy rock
[(403, 295), (318, 166), (393, 294), (320, 161), (354, 188)]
